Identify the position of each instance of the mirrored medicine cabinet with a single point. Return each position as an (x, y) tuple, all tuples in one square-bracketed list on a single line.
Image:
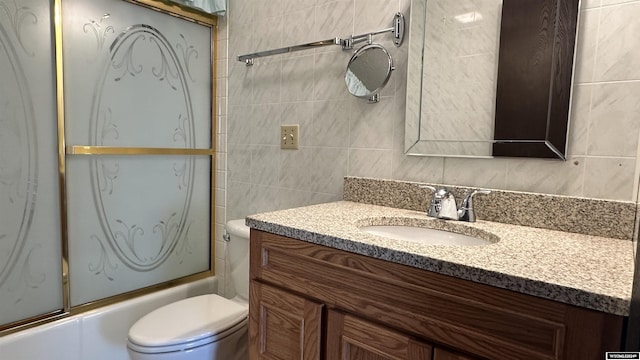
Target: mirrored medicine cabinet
[(490, 78)]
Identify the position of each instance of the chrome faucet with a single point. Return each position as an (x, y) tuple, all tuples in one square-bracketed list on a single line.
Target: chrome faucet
[(443, 204)]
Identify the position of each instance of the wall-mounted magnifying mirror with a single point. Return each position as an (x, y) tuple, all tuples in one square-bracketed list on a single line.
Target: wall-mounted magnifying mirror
[(369, 71)]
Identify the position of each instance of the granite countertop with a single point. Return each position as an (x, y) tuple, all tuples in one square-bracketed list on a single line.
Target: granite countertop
[(587, 271)]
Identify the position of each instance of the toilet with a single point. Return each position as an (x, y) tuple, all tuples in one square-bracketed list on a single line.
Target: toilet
[(201, 327)]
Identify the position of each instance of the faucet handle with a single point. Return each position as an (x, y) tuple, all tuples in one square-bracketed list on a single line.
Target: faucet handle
[(473, 193), (433, 210), (467, 212)]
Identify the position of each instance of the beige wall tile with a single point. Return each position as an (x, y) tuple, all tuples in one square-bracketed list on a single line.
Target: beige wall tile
[(291, 198), (297, 74), (328, 167), (615, 2), (240, 85), (240, 39), (221, 161), (295, 5), (264, 124), (546, 176), (618, 53), (586, 46), (371, 15), (370, 163), (296, 167), (300, 27), (417, 168), (265, 198), (614, 125), (241, 12), (268, 34), (220, 273), (239, 124), (588, 4), (330, 123), (580, 116), (371, 125), (268, 8), (485, 173), (333, 19), (238, 198), (239, 163), (266, 82), (265, 165), (609, 178), (328, 76)]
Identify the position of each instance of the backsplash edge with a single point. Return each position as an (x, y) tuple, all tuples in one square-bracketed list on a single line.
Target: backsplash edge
[(605, 218)]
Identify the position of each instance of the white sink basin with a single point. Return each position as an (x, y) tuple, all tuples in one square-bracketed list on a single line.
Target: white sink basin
[(424, 235)]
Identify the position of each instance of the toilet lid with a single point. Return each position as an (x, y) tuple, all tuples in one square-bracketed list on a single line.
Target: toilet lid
[(186, 321)]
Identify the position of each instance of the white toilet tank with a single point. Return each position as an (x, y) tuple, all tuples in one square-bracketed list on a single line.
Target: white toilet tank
[(238, 248)]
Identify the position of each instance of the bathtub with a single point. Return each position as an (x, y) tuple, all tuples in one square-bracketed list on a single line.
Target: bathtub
[(99, 334)]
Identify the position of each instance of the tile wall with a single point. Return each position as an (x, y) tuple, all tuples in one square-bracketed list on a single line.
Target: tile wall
[(341, 135), (221, 147)]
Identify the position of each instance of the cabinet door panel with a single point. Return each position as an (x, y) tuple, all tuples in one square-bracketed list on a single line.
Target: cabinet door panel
[(441, 354), (351, 338), (282, 325)]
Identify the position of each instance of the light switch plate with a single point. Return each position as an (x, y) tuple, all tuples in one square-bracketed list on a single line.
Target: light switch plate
[(289, 135)]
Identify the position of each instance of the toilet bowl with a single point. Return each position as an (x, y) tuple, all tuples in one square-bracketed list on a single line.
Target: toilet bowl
[(201, 327)]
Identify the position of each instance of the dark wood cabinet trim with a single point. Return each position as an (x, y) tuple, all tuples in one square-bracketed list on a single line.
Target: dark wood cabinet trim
[(535, 66)]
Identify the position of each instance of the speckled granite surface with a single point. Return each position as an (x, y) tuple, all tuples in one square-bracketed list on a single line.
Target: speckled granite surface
[(583, 270), (614, 219)]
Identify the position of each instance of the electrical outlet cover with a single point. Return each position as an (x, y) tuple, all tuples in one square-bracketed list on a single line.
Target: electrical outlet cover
[(289, 135)]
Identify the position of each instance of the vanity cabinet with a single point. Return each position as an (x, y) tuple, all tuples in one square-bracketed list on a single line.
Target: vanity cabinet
[(314, 302)]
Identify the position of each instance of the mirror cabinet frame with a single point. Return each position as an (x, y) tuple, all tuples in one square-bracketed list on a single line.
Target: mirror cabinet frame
[(535, 72), (534, 79)]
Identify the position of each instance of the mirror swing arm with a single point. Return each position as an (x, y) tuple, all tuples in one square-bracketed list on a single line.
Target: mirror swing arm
[(347, 44), (361, 81)]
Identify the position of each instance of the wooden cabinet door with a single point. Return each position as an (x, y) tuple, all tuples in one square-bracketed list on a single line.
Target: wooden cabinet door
[(283, 326), (351, 338), (441, 354)]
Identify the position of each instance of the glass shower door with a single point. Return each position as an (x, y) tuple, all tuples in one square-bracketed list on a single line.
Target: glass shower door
[(30, 235), (138, 117)]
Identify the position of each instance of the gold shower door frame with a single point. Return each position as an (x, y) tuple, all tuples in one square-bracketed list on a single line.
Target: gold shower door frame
[(64, 151)]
